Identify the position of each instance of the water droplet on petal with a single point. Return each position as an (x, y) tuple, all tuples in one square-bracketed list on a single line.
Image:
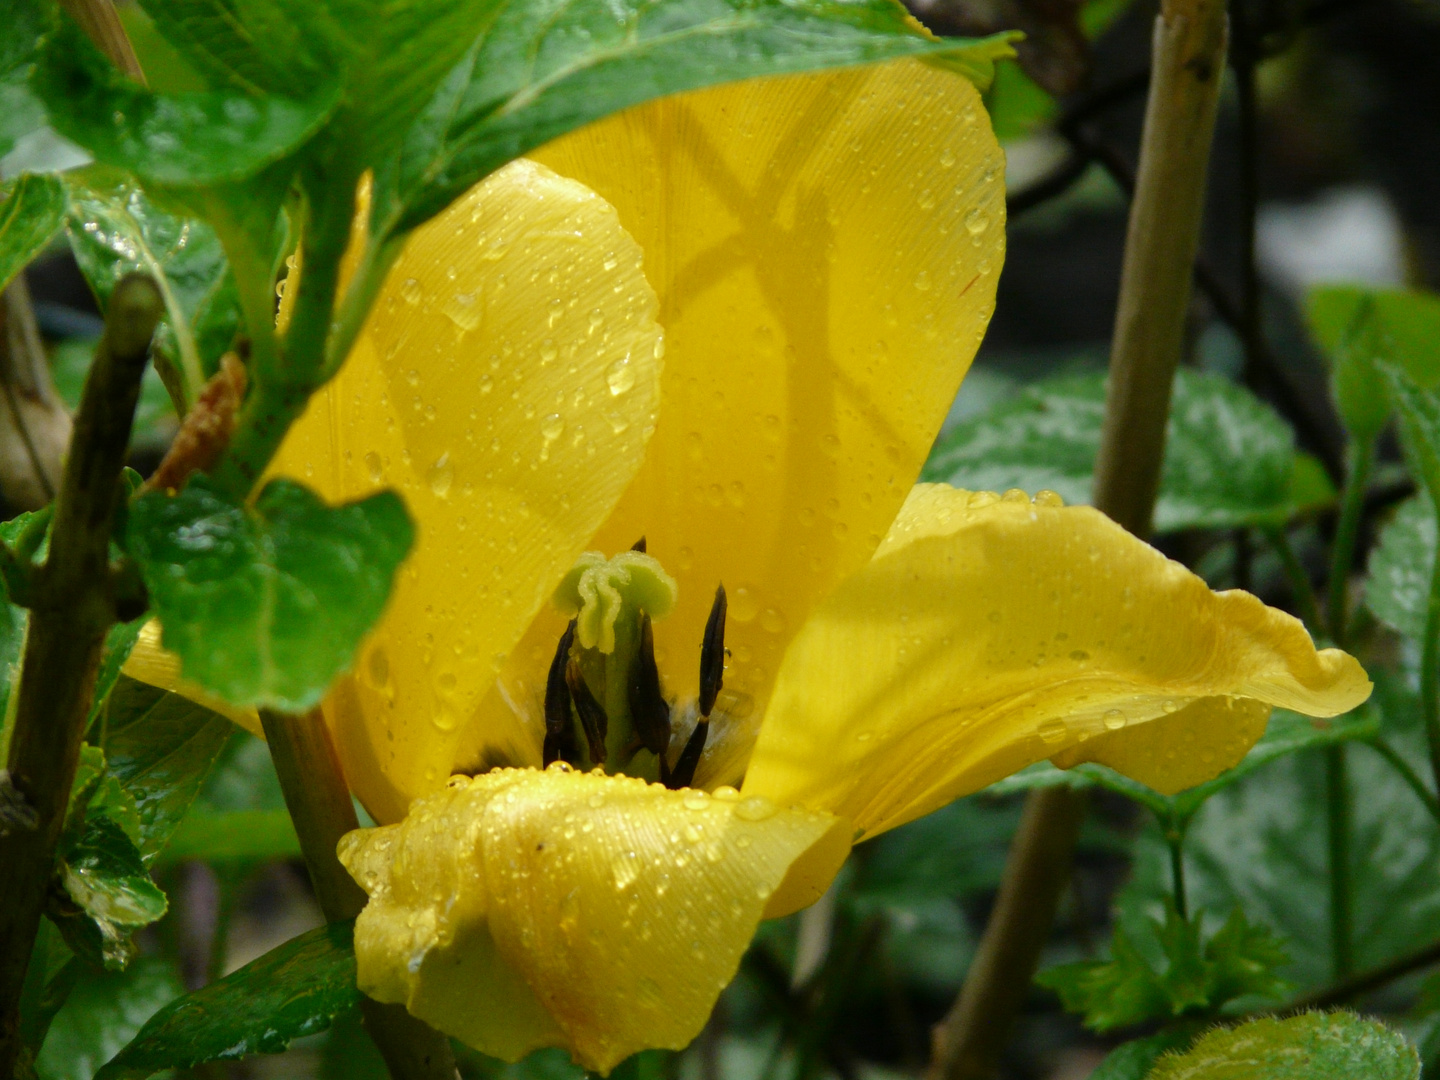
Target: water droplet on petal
[(441, 476), (755, 808), (620, 376), (1114, 720)]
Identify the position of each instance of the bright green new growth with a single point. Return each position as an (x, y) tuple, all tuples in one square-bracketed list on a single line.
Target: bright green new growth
[(1313, 1046)]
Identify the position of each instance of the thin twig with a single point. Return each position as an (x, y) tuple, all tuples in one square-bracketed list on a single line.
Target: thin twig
[(1160, 249), (319, 803), (1307, 604), (72, 608), (1366, 981)]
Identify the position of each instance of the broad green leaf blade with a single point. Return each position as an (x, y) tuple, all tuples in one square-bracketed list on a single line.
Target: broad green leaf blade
[(182, 140), (21, 113), (119, 640), (1419, 410), (221, 40), (31, 213), (238, 836), (1312, 1046), (1356, 327), (291, 991), (265, 605), (1397, 587), (1229, 459), (161, 747), (541, 69), (103, 1013), (107, 893), (116, 228)]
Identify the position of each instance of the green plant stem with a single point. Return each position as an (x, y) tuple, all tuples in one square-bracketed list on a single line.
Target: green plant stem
[(72, 608), (1359, 458), (1175, 840), (1338, 835), (1365, 981), (1305, 598), (282, 387), (1160, 247), (319, 803), (1430, 671), (1409, 775)]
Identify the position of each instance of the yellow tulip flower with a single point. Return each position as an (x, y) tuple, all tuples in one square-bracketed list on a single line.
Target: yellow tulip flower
[(822, 253)]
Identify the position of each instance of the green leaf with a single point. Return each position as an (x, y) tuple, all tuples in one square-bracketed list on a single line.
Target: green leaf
[(107, 893), (1419, 410), (291, 991), (244, 779), (20, 111), (1133, 1060), (1358, 327), (32, 212), (1312, 1046), (161, 747), (1189, 977), (1229, 459), (1397, 587), (174, 139), (265, 605), (116, 228), (103, 1013), (541, 69), (240, 836), (119, 640), (1260, 844)]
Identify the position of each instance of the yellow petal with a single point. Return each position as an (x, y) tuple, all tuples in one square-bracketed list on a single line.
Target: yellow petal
[(826, 249), (506, 384), (603, 914), (988, 634), (1172, 753), (149, 663)]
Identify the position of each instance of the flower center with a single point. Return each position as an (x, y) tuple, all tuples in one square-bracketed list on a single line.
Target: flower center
[(604, 704)]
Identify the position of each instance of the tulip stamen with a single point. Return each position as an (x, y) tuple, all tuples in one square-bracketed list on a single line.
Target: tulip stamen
[(559, 730), (593, 719), (712, 677), (648, 708)]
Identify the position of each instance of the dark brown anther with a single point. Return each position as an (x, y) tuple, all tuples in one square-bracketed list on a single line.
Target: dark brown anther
[(683, 775), (712, 655), (648, 708), (593, 720), (639, 546), (559, 728)]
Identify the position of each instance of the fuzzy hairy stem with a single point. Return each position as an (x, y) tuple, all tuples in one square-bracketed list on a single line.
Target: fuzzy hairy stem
[(319, 803), (1160, 247), (72, 606)]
